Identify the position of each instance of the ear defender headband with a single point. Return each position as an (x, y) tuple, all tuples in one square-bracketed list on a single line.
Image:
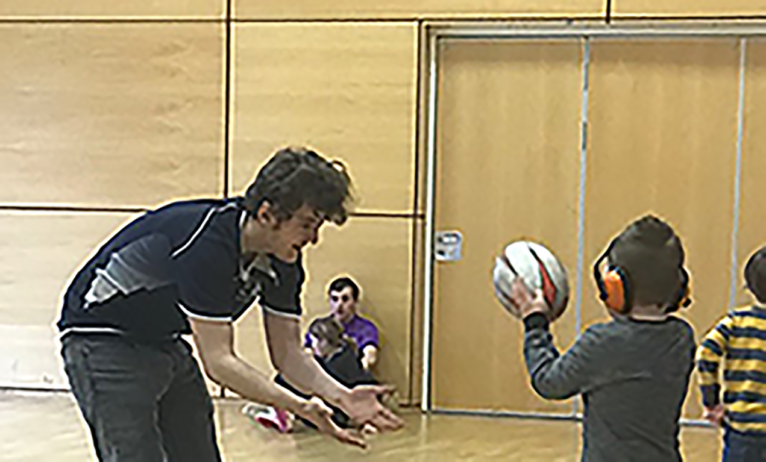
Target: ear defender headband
[(613, 286), (683, 297)]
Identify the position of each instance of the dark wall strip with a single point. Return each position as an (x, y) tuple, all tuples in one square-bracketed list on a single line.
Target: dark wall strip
[(111, 20), (414, 279), (128, 209), (707, 19), (609, 17), (608, 11), (422, 19), (227, 101), (4, 389), (69, 208), (417, 216)]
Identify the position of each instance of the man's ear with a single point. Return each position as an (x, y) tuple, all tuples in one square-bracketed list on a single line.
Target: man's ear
[(265, 214)]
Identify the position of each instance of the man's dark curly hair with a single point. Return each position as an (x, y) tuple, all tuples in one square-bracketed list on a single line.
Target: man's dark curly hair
[(295, 177)]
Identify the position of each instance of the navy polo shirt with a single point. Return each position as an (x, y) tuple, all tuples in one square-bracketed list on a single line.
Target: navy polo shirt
[(181, 261)]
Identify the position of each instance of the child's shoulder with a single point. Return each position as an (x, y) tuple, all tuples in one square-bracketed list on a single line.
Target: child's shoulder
[(681, 323), (747, 316), (602, 332), (684, 328), (755, 311), (626, 328)]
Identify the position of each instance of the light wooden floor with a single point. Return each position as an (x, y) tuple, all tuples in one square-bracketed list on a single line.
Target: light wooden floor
[(47, 427)]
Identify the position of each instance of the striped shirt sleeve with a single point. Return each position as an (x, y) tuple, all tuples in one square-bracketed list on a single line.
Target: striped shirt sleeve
[(709, 355)]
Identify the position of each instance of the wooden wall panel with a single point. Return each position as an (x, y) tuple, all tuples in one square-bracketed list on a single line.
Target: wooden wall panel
[(71, 9), (751, 220), (346, 90), (39, 253), (688, 8), (663, 123), (335, 9), (29, 357), (377, 253), (117, 114), (509, 154)]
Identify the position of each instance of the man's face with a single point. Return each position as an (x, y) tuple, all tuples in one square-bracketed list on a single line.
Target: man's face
[(289, 237), (343, 304)]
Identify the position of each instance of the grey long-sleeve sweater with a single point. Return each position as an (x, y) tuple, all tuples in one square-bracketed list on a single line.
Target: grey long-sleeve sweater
[(633, 376)]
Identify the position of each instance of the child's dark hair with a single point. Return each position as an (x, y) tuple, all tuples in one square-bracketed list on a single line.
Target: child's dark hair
[(755, 274), (652, 255), (331, 331), (295, 177), (341, 283)]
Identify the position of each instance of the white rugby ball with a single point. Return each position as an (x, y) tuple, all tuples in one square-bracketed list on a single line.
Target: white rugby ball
[(538, 268)]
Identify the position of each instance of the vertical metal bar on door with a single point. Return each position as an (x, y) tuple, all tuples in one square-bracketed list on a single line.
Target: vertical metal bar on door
[(738, 172), (581, 200), (425, 401)]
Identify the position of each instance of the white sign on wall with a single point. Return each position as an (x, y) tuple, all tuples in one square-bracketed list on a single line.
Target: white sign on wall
[(448, 246)]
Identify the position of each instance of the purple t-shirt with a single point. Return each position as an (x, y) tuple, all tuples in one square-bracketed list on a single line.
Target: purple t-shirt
[(361, 330)]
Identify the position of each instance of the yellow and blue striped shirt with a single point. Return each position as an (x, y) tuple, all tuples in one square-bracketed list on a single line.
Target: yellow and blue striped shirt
[(740, 340)]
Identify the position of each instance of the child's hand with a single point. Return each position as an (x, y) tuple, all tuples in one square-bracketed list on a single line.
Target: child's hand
[(715, 415), (523, 299)]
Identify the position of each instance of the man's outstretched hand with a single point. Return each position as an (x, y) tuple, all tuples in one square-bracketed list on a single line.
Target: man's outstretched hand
[(320, 415), (363, 407)]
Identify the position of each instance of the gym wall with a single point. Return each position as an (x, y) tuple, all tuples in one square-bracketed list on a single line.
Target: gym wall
[(112, 108)]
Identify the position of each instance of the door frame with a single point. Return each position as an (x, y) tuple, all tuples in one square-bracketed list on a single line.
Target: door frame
[(434, 33)]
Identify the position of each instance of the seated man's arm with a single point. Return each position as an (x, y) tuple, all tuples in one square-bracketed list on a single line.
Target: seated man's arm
[(369, 356), (370, 341)]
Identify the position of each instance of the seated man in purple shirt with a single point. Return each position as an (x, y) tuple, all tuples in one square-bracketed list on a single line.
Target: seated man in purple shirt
[(343, 294)]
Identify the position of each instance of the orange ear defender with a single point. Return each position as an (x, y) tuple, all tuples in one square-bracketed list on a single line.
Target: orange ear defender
[(614, 287), (612, 284), (615, 295)]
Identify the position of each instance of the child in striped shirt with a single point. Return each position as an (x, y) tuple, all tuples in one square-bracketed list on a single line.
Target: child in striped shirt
[(740, 340)]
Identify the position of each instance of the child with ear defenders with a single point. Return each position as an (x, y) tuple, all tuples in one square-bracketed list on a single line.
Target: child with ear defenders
[(633, 371), (740, 337)]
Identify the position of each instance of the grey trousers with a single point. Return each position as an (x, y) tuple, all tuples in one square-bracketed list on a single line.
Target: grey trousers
[(142, 403)]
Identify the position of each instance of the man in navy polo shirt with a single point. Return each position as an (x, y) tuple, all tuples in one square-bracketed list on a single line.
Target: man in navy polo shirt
[(194, 267)]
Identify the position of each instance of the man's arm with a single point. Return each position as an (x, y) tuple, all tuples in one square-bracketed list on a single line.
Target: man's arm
[(215, 344), (214, 340), (298, 368)]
